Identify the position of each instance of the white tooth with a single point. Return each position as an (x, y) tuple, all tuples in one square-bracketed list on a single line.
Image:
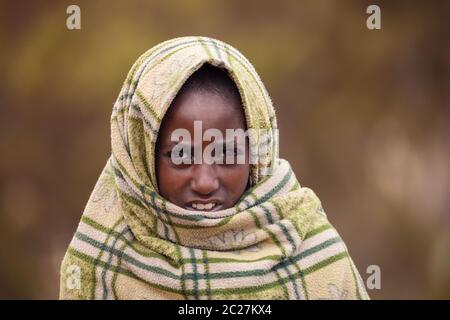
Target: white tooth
[(200, 206)]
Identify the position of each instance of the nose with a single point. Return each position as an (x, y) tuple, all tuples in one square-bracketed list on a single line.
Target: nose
[(204, 180)]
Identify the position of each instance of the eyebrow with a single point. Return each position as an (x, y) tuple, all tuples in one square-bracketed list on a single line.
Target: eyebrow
[(172, 144)]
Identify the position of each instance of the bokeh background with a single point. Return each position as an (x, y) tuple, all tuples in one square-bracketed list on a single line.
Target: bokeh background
[(364, 119)]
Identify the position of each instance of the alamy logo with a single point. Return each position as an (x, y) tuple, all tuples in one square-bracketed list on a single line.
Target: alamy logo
[(374, 280), (73, 21), (374, 20)]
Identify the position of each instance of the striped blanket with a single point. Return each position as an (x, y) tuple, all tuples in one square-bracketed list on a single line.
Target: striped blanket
[(275, 243)]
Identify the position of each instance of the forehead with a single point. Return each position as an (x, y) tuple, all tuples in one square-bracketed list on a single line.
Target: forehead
[(213, 110)]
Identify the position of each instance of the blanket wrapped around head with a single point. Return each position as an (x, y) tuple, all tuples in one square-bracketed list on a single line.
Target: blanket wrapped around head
[(131, 243)]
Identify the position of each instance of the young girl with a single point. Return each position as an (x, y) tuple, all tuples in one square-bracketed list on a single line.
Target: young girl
[(166, 222)]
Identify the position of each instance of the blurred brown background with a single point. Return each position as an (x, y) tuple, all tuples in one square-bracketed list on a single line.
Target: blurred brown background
[(364, 119)]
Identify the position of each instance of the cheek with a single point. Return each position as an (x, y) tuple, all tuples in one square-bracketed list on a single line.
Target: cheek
[(170, 180), (235, 179)]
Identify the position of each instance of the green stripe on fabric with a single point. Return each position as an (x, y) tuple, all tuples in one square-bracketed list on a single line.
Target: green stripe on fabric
[(216, 48), (304, 285), (120, 270), (131, 200), (200, 227), (121, 171), (183, 271), (285, 264), (141, 120), (96, 225), (290, 259), (180, 256), (251, 190), (208, 278), (119, 263), (275, 240), (126, 257), (276, 189), (318, 247), (205, 47), (225, 274), (267, 214), (318, 230), (283, 252), (287, 235), (282, 262), (155, 227), (147, 254), (324, 263), (99, 256), (230, 260), (194, 275), (255, 218), (109, 261), (282, 284), (148, 106)]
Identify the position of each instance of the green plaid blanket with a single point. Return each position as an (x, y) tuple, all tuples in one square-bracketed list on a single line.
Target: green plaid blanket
[(275, 243)]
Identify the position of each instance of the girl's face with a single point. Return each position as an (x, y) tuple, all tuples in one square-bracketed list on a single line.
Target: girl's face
[(199, 186)]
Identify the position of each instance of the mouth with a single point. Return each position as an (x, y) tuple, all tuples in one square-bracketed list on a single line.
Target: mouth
[(204, 206)]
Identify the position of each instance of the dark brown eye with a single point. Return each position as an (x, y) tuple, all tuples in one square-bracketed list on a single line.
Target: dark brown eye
[(180, 156), (183, 156)]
